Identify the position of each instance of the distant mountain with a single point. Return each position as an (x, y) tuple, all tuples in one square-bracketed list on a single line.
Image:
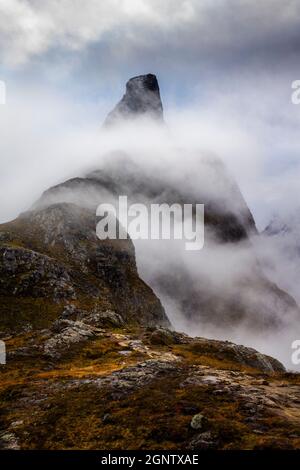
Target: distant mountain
[(279, 247), (287, 224)]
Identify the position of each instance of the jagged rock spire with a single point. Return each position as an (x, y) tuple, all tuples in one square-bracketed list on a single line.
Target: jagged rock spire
[(142, 98)]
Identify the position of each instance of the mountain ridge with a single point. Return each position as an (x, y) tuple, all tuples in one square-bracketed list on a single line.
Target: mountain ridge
[(93, 361)]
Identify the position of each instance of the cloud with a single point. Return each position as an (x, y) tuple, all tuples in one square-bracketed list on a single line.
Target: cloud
[(185, 28), (45, 138)]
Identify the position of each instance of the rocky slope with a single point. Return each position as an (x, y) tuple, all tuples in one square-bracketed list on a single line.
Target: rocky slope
[(52, 264), (143, 388)]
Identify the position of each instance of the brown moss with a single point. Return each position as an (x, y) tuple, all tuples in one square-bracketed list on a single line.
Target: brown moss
[(17, 312), (155, 416), (210, 356)]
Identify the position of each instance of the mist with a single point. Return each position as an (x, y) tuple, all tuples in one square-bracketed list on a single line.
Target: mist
[(175, 159), (245, 124)]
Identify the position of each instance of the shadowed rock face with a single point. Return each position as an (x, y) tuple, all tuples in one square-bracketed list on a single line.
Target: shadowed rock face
[(51, 261), (142, 98)]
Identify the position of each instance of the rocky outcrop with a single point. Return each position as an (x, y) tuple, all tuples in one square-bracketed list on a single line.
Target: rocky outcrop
[(26, 272), (142, 99), (69, 333), (51, 260)]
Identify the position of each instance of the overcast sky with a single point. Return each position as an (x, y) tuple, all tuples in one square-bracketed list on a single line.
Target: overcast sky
[(225, 68)]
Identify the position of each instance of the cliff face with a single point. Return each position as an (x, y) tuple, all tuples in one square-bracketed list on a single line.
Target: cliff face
[(52, 265)]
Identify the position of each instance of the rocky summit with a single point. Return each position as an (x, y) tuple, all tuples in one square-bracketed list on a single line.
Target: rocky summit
[(142, 98), (93, 361)]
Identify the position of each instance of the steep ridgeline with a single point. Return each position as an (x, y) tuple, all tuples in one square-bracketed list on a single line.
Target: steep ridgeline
[(223, 285), (53, 266)]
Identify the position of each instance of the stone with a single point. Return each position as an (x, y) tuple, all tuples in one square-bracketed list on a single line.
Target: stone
[(125, 353), (106, 318), (198, 421), (16, 424), (162, 336), (71, 332), (9, 441)]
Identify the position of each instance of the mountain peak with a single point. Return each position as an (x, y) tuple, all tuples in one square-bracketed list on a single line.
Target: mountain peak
[(142, 98)]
